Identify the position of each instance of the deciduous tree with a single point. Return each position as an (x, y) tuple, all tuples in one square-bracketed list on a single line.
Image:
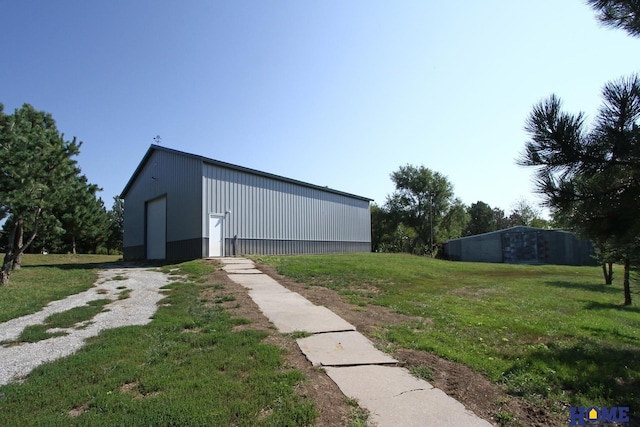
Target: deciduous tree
[(522, 213), (482, 219), (420, 201), (454, 222)]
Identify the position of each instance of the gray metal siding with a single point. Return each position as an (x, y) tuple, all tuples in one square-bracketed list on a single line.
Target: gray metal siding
[(482, 248), (134, 252), (522, 245), (289, 247), (185, 249), (565, 248), (265, 209), (178, 177)]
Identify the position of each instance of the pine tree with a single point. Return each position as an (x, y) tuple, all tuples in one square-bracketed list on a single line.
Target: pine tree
[(35, 164), (623, 14), (83, 217), (116, 225), (591, 177)]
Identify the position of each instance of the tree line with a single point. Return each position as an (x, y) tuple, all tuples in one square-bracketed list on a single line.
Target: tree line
[(46, 203), (588, 175), (423, 213)]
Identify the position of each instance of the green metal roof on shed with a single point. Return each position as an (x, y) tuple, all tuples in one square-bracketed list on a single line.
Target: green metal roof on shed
[(219, 163)]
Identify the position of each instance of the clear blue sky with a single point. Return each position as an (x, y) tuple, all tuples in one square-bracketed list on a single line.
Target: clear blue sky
[(335, 93)]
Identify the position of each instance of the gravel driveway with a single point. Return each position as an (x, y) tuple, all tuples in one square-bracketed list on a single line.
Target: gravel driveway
[(16, 361)]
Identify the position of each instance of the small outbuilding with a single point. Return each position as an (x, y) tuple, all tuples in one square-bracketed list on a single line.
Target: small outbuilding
[(180, 205), (522, 245)]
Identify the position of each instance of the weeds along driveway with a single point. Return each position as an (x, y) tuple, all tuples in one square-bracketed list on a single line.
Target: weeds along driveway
[(134, 295)]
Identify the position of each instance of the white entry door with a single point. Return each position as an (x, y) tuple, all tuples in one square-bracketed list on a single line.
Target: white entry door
[(157, 228), (215, 235)]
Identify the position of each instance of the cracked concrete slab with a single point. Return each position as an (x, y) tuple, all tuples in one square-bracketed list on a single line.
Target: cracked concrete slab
[(312, 319), (396, 398), (250, 281), (242, 269), (290, 312), (227, 261), (280, 301), (342, 349), (237, 261), (259, 285)]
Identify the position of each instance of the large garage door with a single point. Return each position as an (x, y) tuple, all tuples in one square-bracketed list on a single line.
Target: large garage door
[(157, 228), (524, 247)]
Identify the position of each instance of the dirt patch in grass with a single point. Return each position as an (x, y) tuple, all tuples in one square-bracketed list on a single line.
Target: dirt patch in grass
[(129, 387), (134, 390), (473, 292), (332, 406), (473, 390), (77, 411)]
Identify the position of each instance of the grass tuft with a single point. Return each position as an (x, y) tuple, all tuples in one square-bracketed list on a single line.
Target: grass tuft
[(62, 320), (504, 418), (359, 416), (422, 372), (124, 294), (35, 333), (224, 298), (298, 334)]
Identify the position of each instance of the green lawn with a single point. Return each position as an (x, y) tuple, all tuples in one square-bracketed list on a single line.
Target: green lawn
[(188, 367), (555, 335), (45, 278)]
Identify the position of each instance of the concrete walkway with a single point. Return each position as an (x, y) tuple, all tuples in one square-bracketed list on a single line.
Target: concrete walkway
[(391, 394)]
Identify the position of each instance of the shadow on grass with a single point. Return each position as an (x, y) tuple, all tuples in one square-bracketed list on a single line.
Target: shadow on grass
[(607, 333), (586, 373), (593, 305), (109, 265), (605, 289)]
